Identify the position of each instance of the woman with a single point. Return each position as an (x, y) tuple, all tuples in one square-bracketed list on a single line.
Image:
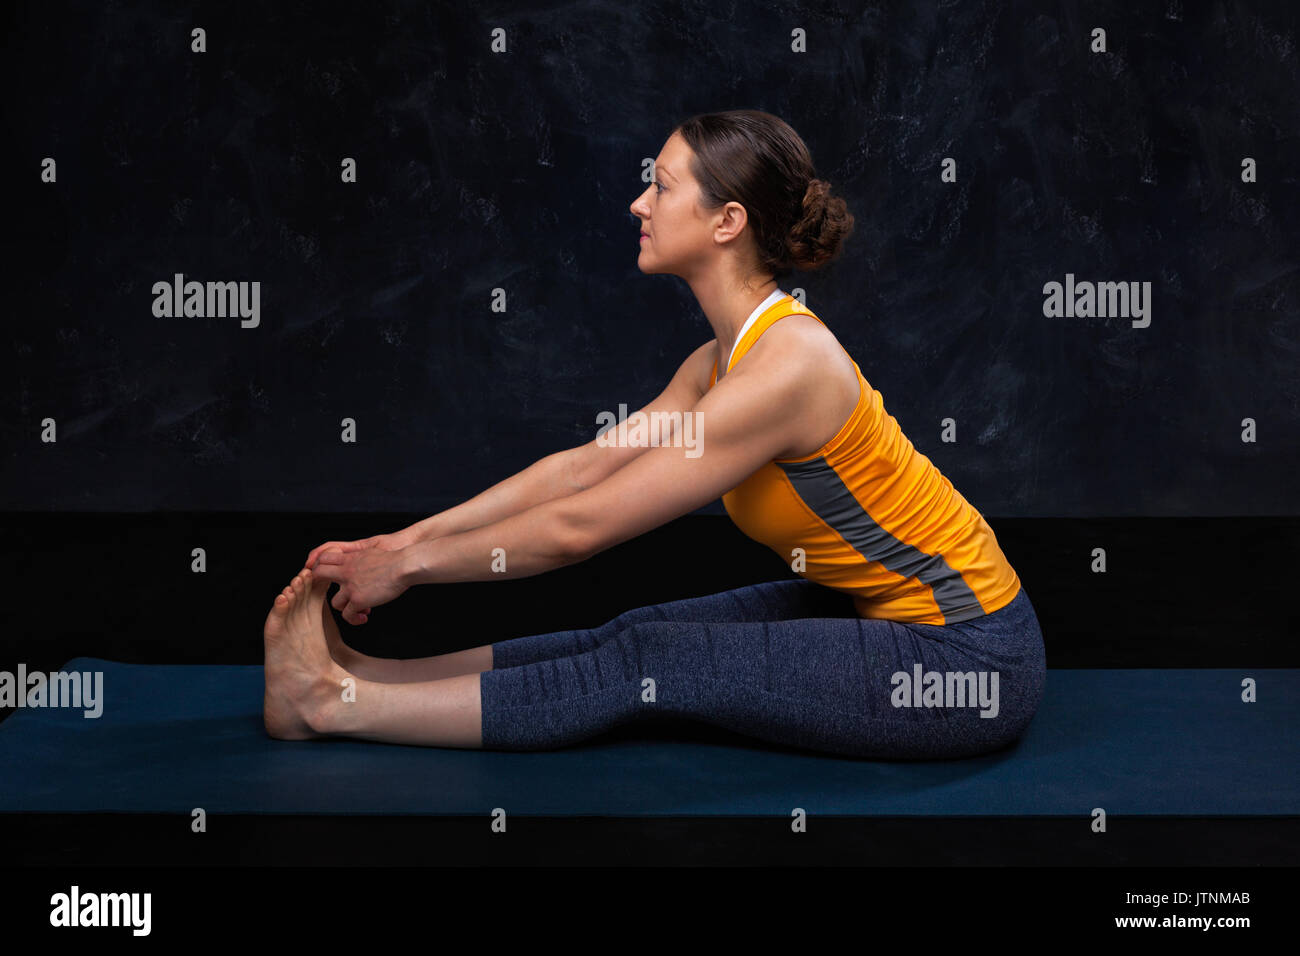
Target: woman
[(908, 635)]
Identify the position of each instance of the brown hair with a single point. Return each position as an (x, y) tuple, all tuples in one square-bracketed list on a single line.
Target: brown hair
[(757, 160)]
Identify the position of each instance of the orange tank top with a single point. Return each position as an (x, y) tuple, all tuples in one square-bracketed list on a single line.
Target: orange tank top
[(869, 515)]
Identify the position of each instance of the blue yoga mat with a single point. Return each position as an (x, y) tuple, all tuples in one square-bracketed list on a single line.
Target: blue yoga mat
[(172, 738)]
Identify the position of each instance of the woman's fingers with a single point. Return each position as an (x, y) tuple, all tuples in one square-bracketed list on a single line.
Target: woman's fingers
[(316, 552), (324, 561), (327, 567), (343, 546)]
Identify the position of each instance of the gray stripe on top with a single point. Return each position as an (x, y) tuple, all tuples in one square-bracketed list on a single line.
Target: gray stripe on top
[(818, 484)]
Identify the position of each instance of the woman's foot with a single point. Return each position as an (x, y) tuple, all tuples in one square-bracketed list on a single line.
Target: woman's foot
[(341, 653), (302, 681)]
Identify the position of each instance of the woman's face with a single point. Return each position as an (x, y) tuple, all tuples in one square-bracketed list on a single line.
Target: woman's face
[(675, 234)]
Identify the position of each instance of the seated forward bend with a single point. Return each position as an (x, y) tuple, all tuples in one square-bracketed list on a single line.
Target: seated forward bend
[(800, 449), (600, 498)]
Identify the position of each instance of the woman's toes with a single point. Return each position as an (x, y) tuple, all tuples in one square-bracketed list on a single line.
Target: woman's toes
[(319, 587)]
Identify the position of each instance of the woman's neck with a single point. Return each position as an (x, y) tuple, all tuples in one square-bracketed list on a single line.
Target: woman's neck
[(727, 314)]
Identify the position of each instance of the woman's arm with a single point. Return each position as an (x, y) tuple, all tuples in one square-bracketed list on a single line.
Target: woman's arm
[(562, 473), (746, 420), (364, 576), (545, 479)]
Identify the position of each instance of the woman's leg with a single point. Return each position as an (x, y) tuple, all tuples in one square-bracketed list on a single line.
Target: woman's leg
[(392, 670), (770, 600), (309, 695), (767, 601), (828, 684)]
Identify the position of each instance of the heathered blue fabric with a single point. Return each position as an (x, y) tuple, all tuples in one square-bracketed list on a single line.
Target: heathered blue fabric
[(788, 662)]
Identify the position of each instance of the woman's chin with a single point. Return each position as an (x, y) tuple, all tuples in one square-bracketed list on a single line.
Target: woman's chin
[(648, 266)]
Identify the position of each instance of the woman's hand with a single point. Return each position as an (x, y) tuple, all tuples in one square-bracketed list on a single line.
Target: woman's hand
[(383, 542), (366, 579)]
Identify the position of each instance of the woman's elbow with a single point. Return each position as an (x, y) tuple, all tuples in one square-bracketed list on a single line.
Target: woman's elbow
[(575, 536)]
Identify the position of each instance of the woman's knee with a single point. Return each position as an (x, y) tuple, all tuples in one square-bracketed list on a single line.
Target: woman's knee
[(670, 653)]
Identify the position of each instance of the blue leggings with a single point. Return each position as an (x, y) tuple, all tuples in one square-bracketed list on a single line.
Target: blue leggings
[(788, 662)]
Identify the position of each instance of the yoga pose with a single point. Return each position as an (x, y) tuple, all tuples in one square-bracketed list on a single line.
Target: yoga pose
[(907, 633)]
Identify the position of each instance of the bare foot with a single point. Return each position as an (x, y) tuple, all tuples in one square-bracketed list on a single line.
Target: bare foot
[(301, 677), (333, 639)]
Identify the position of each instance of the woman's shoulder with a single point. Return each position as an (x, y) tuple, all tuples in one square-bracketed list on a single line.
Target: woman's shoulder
[(806, 334), (797, 334), (831, 386)]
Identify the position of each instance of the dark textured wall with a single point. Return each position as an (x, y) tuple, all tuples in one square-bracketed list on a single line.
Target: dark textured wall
[(480, 170)]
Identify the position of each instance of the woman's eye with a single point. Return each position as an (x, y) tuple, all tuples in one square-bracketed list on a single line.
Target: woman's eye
[(658, 187)]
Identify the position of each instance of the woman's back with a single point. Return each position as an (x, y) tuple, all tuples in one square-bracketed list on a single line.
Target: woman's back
[(868, 514)]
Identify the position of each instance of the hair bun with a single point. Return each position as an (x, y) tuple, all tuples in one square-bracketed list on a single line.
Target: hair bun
[(823, 223)]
